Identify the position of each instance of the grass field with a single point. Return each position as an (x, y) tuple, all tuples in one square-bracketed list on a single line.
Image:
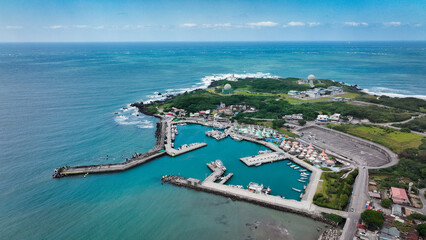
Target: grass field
[(333, 191), (296, 100), (349, 95), (388, 137)]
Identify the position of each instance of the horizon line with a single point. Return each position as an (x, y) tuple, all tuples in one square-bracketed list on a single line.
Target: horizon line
[(219, 41)]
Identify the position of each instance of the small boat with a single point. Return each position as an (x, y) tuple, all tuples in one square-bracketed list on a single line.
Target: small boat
[(302, 170), (301, 180), (256, 188), (288, 163), (295, 189), (296, 167), (220, 165), (85, 175), (116, 113), (258, 164)]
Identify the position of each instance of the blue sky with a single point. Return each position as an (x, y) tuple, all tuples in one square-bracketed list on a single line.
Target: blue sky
[(182, 20)]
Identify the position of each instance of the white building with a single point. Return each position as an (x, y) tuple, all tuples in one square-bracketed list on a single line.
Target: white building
[(335, 117), (322, 118)]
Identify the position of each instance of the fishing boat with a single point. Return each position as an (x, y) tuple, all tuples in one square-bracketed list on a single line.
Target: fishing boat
[(220, 165), (256, 188), (295, 189)]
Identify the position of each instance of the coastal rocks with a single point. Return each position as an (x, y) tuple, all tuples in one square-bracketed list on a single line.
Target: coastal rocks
[(330, 234), (268, 230)]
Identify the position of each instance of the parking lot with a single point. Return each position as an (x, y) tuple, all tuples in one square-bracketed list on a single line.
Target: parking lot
[(351, 147)]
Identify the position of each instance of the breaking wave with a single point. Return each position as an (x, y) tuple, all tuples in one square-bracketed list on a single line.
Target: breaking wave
[(130, 116), (380, 91)]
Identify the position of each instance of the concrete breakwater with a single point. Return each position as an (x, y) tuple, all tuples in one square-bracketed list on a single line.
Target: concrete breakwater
[(233, 193), (136, 160), (162, 146)]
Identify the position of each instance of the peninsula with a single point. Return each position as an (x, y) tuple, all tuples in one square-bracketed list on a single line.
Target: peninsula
[(341, 140)]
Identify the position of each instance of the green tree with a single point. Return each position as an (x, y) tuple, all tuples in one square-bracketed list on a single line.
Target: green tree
[(405, 130), (372, 217), (301, 122), (387, 203), (278, 123), (422, 229)]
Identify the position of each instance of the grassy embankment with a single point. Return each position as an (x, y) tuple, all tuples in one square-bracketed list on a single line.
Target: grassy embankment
[(411, 150), (418, 124), (333, 191), (410, 104)]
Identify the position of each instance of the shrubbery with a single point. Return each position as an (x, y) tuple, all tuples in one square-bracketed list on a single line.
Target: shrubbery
[(373, 218), (336, 191), (333, 217), (387, 203)]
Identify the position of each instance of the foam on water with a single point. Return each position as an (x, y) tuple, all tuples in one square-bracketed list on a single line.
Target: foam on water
[(383, 91), (130, 116)]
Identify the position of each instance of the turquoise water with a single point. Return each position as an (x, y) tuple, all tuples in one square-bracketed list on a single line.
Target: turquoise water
[(57, 104), (278, 176)]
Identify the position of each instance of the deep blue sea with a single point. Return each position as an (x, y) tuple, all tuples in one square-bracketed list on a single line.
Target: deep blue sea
[(57, 105)]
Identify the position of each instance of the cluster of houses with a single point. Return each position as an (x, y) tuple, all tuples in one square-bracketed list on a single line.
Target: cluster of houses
[(176, 112), (223, 109), (317, 92), (398, 213), (307, 152)]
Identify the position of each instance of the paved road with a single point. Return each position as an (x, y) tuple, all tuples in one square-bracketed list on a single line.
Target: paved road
[(357, 203), (422, 197)]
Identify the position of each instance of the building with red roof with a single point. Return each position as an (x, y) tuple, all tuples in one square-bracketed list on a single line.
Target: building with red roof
[(399, 196)]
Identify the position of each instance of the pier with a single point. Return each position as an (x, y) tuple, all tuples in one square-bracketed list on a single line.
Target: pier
[(163, 145), (226, 178), (184, 149), (263, 158), (304, 208), (105, 168)]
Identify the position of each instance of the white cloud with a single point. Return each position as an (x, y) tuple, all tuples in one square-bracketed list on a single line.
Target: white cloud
[(263, 24), (313, 24), (417, 25), (295, 24), (356, 24), (14, 27), (188, 25), (81, 26), (217, 25), (394, 24), (99, 27), (56, 27)]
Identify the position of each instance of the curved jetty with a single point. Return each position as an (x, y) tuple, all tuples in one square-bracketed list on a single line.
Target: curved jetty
[(163, 145)]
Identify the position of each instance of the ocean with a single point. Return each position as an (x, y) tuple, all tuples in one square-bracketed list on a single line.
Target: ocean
[(57, 105)]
